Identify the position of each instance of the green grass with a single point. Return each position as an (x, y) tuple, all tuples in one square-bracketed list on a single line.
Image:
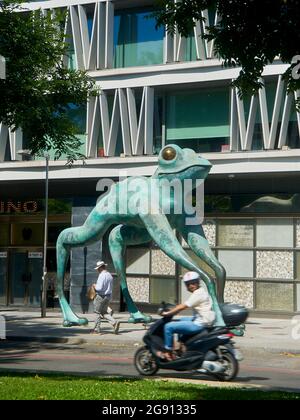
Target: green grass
[(24, 386)]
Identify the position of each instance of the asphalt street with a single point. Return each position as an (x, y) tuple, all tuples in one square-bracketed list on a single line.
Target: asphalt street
[(259, 368)]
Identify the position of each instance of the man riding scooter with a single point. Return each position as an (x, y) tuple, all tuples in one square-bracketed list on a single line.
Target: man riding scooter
[(203, 314)]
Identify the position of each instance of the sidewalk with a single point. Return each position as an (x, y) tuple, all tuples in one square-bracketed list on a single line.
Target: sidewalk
[(261, 333)]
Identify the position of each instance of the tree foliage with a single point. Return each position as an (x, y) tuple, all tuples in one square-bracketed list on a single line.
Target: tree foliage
[(39, 90), (249, 33)]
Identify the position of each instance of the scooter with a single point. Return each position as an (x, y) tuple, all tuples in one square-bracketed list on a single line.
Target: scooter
[(211, 351)]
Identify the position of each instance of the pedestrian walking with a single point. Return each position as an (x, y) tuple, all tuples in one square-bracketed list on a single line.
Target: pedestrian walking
[(103, 289)]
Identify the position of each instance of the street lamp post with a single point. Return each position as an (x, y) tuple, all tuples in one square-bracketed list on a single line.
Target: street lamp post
[(44, 278)]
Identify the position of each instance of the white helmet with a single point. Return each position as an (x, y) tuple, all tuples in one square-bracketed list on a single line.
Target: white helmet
[(191, 276)]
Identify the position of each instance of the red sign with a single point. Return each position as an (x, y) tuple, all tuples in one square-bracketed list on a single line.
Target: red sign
[(18, 206)]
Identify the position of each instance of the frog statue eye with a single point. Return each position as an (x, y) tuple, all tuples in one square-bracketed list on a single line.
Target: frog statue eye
[(169, 153)]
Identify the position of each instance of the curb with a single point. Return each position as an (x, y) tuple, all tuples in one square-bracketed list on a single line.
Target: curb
[(38, 339), (73, 341), (228, 385), (129, 343)]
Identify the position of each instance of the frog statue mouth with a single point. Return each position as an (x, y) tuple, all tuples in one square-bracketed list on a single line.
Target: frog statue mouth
[(190, 172)]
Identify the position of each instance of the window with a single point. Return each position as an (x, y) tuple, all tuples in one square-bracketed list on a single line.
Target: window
[(190, 51), (4, 234), (235, 233), (138, 260), (27, 234), (136, 41), (163, 289), (275, 233), (238, 264), (198, 120), (276, 297), (77, 116), (53, 232)]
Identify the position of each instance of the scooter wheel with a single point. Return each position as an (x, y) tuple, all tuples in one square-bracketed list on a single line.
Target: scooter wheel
[(144, 362), (231, 367)]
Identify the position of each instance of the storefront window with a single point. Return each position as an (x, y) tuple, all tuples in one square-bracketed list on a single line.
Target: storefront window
[(274, 297), (235, 233), (138, 260), (25, 275), (21, 242), (202, 264), (163, 289), (59, 206), (53, 232), (275, 233), (27, 234), (252, 203), (238, 264), (4, 234), (3, 277)]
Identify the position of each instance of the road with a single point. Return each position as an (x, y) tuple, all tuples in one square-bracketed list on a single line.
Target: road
[(259, 367)]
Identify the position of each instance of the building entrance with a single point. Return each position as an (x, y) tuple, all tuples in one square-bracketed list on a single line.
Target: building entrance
[(21, 248), (21, 277), (3, 278)]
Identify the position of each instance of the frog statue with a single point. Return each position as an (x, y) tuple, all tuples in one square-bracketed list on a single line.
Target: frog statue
[(141, 223)]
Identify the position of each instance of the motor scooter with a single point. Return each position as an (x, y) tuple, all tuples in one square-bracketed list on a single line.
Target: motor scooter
[(211, 351)]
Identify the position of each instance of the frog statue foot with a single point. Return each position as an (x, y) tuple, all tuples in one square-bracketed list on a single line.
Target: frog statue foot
[(75, 322), (139, 317), (144, 211), (70, 319)]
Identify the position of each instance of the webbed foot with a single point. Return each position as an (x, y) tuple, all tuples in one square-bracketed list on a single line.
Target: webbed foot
[(239, 331), (139, 317), (75, 322)]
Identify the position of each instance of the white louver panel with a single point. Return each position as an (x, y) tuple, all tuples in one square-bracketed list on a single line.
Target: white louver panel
[(136, 130), (12, 140), (272, 120)]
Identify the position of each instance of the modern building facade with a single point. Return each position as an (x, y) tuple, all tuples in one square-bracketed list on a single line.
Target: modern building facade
[(157, 90)]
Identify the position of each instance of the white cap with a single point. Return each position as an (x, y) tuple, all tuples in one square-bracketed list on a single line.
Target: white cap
[(190, 276), (99, 264)]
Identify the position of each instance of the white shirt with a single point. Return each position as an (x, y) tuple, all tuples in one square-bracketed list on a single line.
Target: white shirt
[(104, 283), (201, 303)]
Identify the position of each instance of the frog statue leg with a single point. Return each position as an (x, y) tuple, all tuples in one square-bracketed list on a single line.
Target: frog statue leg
[(195, 237), (91, 231), (119, 238), (162, 233)]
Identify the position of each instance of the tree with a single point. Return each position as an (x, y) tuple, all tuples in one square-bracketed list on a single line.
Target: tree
[(249, 33), (39, 91)]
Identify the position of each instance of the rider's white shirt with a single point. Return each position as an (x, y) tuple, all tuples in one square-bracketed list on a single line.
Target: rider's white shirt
[(201, 303)]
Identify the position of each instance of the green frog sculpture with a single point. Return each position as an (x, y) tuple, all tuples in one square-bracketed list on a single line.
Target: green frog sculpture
[(141, 222)]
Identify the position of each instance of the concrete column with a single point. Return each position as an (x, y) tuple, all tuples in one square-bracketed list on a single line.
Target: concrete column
[(83, 259)]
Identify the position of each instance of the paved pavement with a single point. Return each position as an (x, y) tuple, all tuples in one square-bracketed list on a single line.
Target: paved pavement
[(278, 335), (271, 349)]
